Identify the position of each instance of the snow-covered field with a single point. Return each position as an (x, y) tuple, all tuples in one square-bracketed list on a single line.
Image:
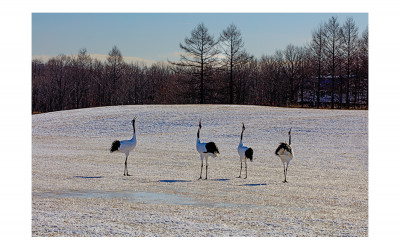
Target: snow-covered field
[(78, 187)]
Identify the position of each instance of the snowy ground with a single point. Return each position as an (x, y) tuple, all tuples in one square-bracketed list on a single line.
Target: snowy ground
[(78, 187)]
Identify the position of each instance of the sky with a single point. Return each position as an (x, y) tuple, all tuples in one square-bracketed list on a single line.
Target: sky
[(153, 37)]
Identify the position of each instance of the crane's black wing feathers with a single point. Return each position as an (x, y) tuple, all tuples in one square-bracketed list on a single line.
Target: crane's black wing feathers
[(211, 148), (284, 146), (249, 154), (115, 146)]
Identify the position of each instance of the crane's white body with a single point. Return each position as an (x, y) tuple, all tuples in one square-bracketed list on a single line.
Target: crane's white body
[(242, 154), (125, 147), (242, 150), (285, 153), (205, 150), (201, 148)]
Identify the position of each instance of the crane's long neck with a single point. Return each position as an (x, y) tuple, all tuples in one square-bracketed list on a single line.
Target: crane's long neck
[(198, 136), (290, 139), (134, 131), (241, 138)]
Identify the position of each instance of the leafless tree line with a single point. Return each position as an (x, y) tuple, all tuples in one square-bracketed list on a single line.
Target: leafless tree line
[(215, 70)]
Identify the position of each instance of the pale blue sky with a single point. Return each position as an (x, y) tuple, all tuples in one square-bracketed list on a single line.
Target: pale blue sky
[(156, 36)]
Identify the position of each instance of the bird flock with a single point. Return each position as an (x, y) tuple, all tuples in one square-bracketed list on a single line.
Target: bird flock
[(207, 149)]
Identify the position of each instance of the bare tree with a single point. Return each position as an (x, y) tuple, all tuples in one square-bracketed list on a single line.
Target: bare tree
[(233, 50), (304, 69), (317, 46), (140, 81), (290, 66), (98, 86), (58, 82), (245, 69), (362, 84), (38, 82), (332, 36), (350, 38), (114, 73), (160, 74), (80, 76), (265, 88), (131, 73), (279, 93), (199, 55)]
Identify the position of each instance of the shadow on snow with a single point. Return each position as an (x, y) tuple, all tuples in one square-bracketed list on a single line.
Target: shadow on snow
[(173, 181), (220, 179), (88, 177), (254, 184)]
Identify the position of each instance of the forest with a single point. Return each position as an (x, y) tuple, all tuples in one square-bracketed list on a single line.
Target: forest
[(330, 71)]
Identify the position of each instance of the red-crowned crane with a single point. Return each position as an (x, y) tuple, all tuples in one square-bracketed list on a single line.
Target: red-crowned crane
[(285, 152), (205, 150), (125, 146), (244, 153)]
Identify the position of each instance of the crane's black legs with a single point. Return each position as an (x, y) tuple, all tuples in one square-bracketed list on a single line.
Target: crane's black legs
[(201, 169), (240, 174), (126, 167), (285, 171), (245, 163), (241, 166), (206, 167)]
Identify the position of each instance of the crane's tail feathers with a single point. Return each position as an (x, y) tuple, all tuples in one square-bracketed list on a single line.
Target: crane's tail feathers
[(249, 154), (283, 146), (212, 148), (115, 146)]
